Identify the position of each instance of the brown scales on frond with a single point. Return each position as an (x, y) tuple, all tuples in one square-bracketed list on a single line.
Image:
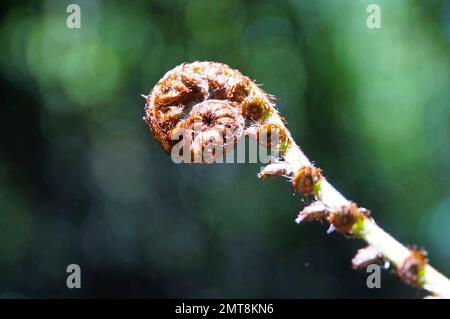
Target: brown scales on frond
[(169, 104), (213, 125), (410, 271), (346, 218), (305, 179)]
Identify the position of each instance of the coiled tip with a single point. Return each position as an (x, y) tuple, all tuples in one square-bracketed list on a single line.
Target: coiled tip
[(207, 100)]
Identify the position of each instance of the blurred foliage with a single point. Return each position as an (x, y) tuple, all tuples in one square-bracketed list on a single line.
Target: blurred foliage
[(82, 180)]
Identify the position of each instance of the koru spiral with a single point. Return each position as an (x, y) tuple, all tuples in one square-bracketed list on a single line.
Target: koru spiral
[(208, 99)]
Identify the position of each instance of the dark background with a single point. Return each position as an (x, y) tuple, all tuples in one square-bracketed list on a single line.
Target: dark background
[(82, 180)]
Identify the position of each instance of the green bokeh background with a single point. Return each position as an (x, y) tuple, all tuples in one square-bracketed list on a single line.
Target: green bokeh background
[(82, 180)]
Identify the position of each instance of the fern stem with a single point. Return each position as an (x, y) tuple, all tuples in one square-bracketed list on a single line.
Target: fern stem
[(391, 249)]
